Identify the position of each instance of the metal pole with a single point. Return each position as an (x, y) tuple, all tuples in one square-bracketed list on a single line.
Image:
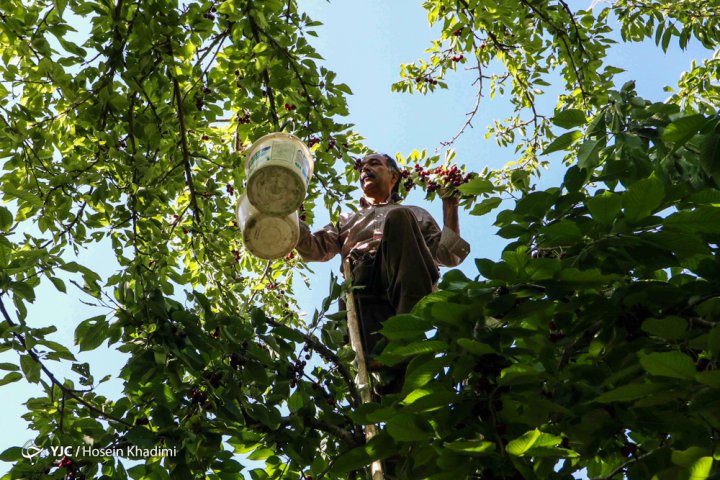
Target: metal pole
[(363, 382)]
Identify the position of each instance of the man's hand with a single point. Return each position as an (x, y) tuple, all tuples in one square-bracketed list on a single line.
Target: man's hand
[(450, 201)]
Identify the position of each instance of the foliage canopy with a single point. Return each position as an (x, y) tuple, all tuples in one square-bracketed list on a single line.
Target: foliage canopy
[(593, 343)]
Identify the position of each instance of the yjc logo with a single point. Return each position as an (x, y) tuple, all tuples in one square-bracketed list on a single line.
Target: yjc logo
[(30, 450)]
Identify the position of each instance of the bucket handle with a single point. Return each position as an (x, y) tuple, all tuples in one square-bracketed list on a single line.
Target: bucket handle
[(288, 122)]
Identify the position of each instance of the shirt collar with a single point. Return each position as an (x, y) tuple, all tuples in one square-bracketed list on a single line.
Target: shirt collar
[(365, 203)]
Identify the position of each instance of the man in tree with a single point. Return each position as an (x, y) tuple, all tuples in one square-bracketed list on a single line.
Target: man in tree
[(394, 250)]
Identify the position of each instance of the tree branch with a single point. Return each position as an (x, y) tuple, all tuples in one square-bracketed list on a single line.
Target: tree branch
[(330, 356), (185, 150), (66, 391)]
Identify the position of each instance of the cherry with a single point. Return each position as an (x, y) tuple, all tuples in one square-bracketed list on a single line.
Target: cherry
[(458, 32), (142, 421), (229, 188)]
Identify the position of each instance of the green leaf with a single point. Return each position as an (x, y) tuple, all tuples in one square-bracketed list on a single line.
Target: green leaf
[(405, 326), (685, 458), (709, 377), (476, 186), (670, 328), (407, 427), (59, 284), (9, 366), (421, 371), (6, 219), (703, 219), (475, 347), (605, 207), (486, 206), (378, 448), (714, 342), (700, 469), (642, 198), (533, 442), (472, 447), (522, 444), (30, 368), (427, 400), (394, 354), (669, 364), (142, 437), (710, 153), (12, 454), (569, 118), (575, 178), (627, 393), (564, 232), (10, 378), (91, 333), (563, 142), (60, 5), (589, 154), (684, 128)]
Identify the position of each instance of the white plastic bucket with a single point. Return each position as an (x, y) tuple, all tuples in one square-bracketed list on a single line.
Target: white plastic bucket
[(278, 169), (266, 236)]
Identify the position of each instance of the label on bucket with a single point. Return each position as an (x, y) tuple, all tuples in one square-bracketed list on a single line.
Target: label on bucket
[(259, 155), (301, 164), (283, 151)]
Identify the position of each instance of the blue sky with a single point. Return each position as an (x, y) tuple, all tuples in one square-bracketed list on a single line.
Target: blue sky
[(365, 43)]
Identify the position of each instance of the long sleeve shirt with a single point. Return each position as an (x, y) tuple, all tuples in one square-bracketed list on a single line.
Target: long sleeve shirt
[(359, 233)]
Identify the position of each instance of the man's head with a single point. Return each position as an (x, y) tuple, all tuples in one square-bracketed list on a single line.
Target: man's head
[(379, 176)]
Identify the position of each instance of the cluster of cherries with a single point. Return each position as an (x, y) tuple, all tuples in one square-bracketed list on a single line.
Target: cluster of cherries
[(198, 396), (442, 177), (199, 101), (429, 80), (71, 469), (209, 14), (237, 359), (290, 107), (298, 369), (457, 58), (434, 179)]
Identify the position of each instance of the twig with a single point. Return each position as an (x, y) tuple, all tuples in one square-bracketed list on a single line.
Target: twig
[(66, 391), (470, 115), (624, 465)]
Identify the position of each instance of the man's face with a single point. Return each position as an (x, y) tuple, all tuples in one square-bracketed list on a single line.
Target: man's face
[(376, 179)]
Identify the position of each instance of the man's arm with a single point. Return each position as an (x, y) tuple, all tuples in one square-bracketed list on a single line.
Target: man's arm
[(446, 245), (319, 246), (451, 218)]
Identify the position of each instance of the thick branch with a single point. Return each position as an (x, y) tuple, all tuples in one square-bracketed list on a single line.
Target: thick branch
[(266, 77), (185, 150), (330, 356)]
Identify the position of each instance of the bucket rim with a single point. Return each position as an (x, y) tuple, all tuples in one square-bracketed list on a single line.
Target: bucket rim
[(254, 146)]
